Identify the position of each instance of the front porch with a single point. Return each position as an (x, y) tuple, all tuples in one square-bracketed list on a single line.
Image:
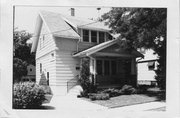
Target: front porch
[(113, 72), (110, 65)]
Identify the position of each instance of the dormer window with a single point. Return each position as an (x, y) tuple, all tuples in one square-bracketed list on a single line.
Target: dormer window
[(86, 35), (94, 36)]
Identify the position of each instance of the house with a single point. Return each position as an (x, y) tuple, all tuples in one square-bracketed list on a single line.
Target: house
[(61, 42), (31, 73), (146, 67)]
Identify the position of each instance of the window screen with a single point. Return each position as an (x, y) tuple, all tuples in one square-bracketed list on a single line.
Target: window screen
[(99, 67)]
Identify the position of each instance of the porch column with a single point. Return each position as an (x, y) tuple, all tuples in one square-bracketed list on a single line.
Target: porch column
[(133, 67), (133, 72), (93, 69)]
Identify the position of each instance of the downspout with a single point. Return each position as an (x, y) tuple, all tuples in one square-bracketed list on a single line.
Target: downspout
[(137, 69)]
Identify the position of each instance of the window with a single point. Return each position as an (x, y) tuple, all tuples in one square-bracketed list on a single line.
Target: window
[(93, 36), (106, 67), (101, 37), (151, 65), (99, 67), (113, 67), (86, 35), (30, 69), (40, 68)]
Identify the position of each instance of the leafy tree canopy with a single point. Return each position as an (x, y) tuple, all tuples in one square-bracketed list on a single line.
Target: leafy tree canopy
[(142, 28), (21, 48), (22, 55)]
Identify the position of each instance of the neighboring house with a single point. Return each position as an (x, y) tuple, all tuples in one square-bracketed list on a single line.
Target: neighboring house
[(31, 73), (146, 67), (61, 42)]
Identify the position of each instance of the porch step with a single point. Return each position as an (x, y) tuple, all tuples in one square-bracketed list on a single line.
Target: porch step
[(75, 91)]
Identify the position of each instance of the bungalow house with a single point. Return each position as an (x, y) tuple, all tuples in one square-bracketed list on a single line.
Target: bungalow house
[(30, 73), (61, 42), (146, 67)]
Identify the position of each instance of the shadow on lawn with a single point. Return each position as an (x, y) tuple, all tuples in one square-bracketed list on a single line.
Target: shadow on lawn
[(159, 95), (43, 107)]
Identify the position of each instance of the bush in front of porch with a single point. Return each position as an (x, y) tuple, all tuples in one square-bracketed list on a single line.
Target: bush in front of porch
[(84, 79)]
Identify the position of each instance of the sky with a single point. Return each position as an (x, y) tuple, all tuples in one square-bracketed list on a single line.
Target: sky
[(25, 16)]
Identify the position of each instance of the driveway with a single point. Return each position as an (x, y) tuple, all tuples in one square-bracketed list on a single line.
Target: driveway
[(66, 107)]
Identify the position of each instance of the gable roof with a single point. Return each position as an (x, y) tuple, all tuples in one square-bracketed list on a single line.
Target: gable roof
[(63, 26), (57, 25)]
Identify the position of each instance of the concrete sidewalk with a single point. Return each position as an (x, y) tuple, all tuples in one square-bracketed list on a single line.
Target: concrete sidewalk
[(66, 107)]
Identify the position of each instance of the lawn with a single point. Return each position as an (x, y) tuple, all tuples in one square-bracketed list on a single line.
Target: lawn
[(126, 100)]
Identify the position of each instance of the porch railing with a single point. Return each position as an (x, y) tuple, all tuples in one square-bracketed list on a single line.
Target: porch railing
[(72, 82)]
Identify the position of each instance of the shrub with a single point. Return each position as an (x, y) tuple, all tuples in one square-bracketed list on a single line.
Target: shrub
[(128, 89), (28, 95), (143, 89), (84, 75), (99, 96), (84, 79), (47, 90), (112, 92)]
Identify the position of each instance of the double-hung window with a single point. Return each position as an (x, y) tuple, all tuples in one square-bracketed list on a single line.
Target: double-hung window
[(86, 35), (94, 36)]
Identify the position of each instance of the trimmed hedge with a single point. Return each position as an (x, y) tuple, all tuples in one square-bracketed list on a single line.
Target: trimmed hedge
[(99, 96), (112, 92), (128, 89), (27, 95)]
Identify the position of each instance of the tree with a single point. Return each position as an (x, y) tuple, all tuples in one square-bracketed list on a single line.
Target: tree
[(142, 28), (22, 55), (21, 49), (19, 69)]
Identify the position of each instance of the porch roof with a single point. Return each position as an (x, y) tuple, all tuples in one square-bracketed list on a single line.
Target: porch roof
[(97, 50)]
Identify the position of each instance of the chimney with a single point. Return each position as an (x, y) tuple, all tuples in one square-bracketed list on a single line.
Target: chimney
[(72, 12)]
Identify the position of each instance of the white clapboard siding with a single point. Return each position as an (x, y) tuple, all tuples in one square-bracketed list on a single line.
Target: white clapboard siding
[(45, 55), (48, 65), (46, 42), (144, 73), (65, 67)]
